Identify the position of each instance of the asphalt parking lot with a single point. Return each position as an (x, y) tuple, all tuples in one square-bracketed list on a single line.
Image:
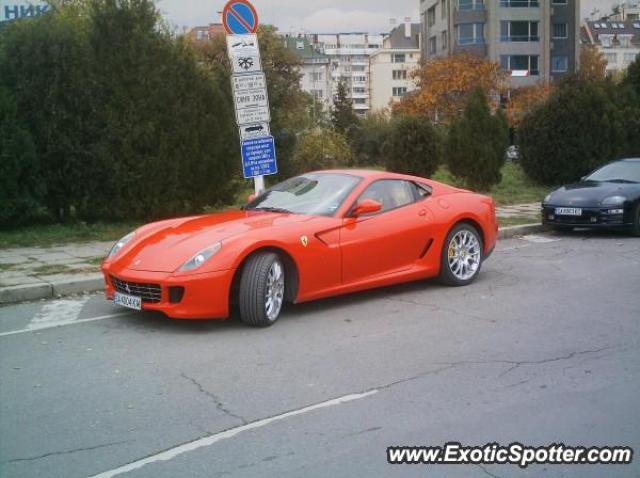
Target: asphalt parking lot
[(543, 348)]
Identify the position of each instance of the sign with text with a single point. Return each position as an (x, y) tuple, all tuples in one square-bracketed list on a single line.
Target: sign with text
[(16, 9), (248, 82), (259, 157)]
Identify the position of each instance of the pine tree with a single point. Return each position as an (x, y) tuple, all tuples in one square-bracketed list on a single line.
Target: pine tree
[(477, 142), (413, 146), (343, 117)]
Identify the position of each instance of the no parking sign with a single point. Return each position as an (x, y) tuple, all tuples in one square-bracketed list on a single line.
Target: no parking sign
[(239, 17)]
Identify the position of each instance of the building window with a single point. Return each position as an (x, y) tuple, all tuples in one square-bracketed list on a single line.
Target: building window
[(559, 31), (399, 91), (359, 90), (519, 3), (359, 101), (470, 33), (520, 63), (611, 58), (558, 2), (317, 94), (519, 31), (399, 74), (443, 9), (470, 4), (431, 16), (559, 64), (360, 79), (316, 76), (398, 58), (443, 40), (299, 45), (432, 45)]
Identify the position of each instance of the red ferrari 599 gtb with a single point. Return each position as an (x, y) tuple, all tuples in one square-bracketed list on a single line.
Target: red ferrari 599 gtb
[(311, 236)]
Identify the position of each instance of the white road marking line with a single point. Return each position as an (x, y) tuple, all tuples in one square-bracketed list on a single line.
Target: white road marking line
[(62, 324), (58, 312), (211, 439)]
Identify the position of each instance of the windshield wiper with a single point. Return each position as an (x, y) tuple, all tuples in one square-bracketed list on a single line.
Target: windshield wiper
[(621, 181), (270, 209)]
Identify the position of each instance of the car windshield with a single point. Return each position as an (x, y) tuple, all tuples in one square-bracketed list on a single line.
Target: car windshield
[(319, 194), (620, 171)]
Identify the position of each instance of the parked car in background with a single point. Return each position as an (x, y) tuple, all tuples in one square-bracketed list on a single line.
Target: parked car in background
[(311, 236), (512, 154), (608, 197)]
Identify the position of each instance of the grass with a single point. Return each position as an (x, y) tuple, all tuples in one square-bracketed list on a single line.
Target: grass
[(517, 221), (51, 269), (50, 235), (515, 187)]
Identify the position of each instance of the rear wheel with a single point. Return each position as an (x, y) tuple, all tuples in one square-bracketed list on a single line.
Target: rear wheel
[(635, 228), (262, 289), (461, 256)]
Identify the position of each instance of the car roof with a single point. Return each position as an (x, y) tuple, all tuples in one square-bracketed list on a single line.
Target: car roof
[(631, 160), (364, 173)]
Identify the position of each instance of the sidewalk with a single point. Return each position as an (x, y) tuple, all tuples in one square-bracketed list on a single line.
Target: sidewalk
[(40, 273), (36, 273)]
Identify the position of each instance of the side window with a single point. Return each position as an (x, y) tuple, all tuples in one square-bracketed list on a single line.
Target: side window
[(391, 193), (422, 191)]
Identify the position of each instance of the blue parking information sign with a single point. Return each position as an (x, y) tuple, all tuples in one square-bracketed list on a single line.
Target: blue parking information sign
[(259, 157)]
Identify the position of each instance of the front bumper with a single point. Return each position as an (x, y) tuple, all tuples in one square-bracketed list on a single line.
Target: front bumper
[(205, 296), (590, 217)]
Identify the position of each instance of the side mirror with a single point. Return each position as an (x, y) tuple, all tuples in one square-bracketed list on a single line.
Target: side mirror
[(367, 206), (251, 197)]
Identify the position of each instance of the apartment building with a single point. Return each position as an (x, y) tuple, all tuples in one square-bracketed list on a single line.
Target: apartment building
[(531, 39), (206, 33), (392, 66), (316, 70), (619, 42), (627, 10), (349, 55)]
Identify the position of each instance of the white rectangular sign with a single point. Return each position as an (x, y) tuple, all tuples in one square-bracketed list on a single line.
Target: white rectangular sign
[(244, 53), (253, 115), (251, 99), (255, 130), (248, 82)]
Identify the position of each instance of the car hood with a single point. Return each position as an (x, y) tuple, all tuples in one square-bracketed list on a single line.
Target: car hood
[(167, 246), (588, 193)]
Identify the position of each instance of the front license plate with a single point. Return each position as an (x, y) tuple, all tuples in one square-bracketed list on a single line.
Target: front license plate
[(128, 301), (568, 211)]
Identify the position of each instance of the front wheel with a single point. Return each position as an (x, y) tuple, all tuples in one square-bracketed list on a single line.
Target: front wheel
[(461, 256), (262, 289)]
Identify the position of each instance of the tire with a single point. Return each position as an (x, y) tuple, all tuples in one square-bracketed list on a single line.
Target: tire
[(450, 274), (635, 228), (261, 281)]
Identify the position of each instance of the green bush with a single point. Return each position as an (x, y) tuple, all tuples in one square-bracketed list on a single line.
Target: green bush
[(125, 121), (578, 129), (368, 138), (20, 181), (413, 146), (476, 144), (321, 149)]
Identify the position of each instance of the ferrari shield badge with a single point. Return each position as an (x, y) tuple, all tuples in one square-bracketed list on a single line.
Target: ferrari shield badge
[(304, 240)]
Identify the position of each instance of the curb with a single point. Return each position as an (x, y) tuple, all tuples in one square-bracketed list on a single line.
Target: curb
[(95, 282), (524, 229), (50, 290)]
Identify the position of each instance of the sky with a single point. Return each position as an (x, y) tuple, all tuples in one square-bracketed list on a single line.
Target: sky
[(318, 16)]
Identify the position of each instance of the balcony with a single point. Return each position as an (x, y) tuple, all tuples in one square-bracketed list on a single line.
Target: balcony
[(519, 38), (520, 3), (474, 15)]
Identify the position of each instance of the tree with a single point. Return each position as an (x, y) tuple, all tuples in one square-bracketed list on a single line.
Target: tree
[(321, 149), (593, 64), (368, 138), (413, 146), (21, 185), (343, 119), (477, 142), (578, 129), (444, 85), (523, 100), (631, 78)]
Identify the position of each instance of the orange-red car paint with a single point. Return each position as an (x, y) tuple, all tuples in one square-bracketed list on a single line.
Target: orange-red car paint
[(339, 255)]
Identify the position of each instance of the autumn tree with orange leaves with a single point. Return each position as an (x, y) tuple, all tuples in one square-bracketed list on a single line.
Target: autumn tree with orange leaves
[(593, 64), (523, 100), (444, 85)]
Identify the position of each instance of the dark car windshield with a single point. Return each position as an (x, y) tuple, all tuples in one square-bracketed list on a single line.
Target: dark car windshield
[(620, 171), (320, 193)]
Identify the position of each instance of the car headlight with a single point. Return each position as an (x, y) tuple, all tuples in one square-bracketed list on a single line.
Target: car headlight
[(613, 201), (120, 244), (547, 198), (201, 257)]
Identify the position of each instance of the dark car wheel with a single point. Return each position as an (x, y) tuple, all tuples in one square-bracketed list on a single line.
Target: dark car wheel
[(461, 256), (635, 229), (262, 289)]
